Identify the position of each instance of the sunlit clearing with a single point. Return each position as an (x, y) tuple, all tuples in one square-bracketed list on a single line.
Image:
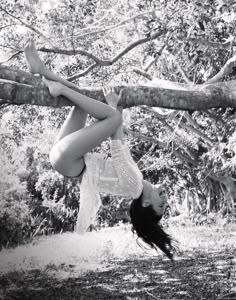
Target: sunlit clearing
[(70, 254), (90, 251)]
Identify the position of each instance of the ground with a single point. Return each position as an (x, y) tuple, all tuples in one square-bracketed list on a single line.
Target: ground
[(197, 273)]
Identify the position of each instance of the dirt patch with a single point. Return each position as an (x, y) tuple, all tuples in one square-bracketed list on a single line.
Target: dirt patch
[(196, 277)]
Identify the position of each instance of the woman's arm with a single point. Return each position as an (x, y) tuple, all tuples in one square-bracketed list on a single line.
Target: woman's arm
[(118, 135), (112, 99), (128, 172)]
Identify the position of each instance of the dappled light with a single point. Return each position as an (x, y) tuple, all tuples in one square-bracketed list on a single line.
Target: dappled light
[(109, 263)]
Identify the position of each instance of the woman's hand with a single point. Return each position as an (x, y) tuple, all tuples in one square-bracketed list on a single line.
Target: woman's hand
[(112, 98)]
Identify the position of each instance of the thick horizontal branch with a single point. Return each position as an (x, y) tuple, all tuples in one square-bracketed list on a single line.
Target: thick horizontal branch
[(20, 87), (20, 76)]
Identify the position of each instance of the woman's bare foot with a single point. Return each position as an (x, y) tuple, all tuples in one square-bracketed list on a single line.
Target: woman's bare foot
[(55, 88), (36, 66)]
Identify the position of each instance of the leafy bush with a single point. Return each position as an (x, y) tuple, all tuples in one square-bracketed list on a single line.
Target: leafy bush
[(15, 220)]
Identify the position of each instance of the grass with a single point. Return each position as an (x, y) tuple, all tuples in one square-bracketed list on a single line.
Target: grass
[(109, 264)]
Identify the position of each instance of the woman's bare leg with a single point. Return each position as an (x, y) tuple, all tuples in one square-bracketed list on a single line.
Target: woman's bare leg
[(36, 66), (77, 117), (67, 154), (75, 120)]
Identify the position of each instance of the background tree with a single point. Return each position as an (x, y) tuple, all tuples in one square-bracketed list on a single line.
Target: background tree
[(177, 55)]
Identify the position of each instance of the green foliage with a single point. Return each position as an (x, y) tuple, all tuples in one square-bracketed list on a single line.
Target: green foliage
[(16, 224), (35, 200), (194, 152)]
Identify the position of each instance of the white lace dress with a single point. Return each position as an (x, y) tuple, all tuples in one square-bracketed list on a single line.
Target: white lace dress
[(117, 175)]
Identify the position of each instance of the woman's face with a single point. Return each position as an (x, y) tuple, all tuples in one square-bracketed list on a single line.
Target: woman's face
[(158, 199)]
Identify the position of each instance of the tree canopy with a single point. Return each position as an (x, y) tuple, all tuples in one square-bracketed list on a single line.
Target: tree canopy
[(174, 60)]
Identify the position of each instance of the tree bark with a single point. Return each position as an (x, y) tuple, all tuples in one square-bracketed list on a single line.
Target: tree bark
[(19, 87)]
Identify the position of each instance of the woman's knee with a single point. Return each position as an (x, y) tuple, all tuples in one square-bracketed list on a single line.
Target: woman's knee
[(62, 162), (57, 157)]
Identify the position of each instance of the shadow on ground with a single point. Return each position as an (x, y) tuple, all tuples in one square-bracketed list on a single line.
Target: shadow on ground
[(204, 277)]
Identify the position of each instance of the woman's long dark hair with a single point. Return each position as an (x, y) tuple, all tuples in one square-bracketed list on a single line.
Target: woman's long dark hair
[(145, 223)]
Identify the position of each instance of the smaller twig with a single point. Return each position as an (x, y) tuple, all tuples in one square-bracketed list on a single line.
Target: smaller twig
[(9, 25), (215, 117), (142, 73), (185, 158), (85, 72), (228, 297), (106, 62), (186, 79), (11, 57), (142, 137), (150, 63), (74, 52), (150, 294), (227, 45), (183, 73), (9, 47), (116, 26), (26, 25), (4, 103), (225, 70), (158, 54)]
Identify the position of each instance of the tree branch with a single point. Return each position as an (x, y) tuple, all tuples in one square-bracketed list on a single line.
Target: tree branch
[(137, 43), (121, 24), (178, 154), (154, 59), (4, 103), (98, 61), (142, 73), (195, 128), (215, 117), (20, 76), (186, 79), (226, 69), (143, 137), (25, 24), (171, 129), (185, 158), (75, 52), (226, 46), (14, 83), (81, 74), (11, 57)]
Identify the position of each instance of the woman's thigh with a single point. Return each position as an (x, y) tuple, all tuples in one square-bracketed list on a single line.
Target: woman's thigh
[(75, 120), (67, 154)]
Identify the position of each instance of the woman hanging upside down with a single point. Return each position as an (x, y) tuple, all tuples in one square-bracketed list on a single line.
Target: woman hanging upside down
[(118, 175)]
